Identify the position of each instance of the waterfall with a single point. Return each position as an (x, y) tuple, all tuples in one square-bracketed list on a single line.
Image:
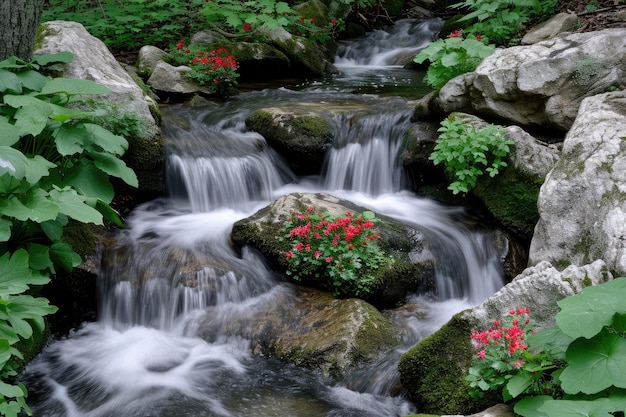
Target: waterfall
[(174, 269)]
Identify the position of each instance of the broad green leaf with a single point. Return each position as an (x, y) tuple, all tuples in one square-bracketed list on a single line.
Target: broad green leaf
[(601, 407), (5, 229), (72, 86), (15, 274), (108, 141), (90, 181), (109, 213), (73, 205), (9, 82), (35, 205), (529, 406), (39, 258), (585, 314), (9, 134), (38, 167), (54, 228), (115, 167), (451, 59), (32, 114), (13, 162), (10, 409), (32, 79), (10, 390), (519, 383), (13, 62), (63, 255), (70, 139), (619, 323), (595, 364), (551, 340), (63, 57)]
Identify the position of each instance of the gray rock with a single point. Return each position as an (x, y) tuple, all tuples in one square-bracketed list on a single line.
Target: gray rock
[(147, 60), (170, 79), (541, 85), (581, 204), (559, 23)]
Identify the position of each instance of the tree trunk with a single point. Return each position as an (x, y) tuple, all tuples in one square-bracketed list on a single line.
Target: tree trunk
[(18, 26)]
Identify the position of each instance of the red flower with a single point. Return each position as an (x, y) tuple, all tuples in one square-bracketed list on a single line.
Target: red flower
[(289, 254), (329, 259), (455, 34), (180, 44), (313, 20), (478, 37), (333, 21), (247, 27), (481, 354)]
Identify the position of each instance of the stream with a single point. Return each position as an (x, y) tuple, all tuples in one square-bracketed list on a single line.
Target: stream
[(144, 357)]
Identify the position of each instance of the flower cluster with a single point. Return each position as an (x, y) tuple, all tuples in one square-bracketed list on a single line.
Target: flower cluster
[(215, 68), (504, 362), (343, 248)]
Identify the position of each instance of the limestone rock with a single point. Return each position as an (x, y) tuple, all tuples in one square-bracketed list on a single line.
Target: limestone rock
[(433, 371), (541, 85), (559, 23), (413, 265), (581, 204), (147, 60), (170, 79)]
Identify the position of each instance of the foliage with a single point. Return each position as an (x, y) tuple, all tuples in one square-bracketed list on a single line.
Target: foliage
[(502, 20), (464, 150), (452, 57), (343, 248), (54, 165), (130, 24), (253, 19), (505, 363), (217, 68), (590, 337)]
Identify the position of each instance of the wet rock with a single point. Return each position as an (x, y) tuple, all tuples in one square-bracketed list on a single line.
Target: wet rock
[(413, 262), (562, 22), (433, 371)]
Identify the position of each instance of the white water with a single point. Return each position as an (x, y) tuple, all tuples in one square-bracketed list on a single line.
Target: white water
[(143, 356)]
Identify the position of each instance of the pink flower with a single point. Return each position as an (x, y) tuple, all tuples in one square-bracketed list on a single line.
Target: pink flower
[(481, 354), (329, 259), (455, 34), (289, 254)]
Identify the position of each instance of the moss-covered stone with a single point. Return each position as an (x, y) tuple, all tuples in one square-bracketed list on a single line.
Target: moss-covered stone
[(433, 370)]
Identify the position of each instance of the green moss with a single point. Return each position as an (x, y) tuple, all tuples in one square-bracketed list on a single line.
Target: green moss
[(433, 371), (82, 237), (43, 30), (511, 197), (315, 127)]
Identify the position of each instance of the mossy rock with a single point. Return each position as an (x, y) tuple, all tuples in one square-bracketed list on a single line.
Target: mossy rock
[(412, 266), (433, 371)]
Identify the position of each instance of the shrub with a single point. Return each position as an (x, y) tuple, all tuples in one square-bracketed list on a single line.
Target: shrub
[(452, 57), (54, 166), (343, 248), (464, 150)]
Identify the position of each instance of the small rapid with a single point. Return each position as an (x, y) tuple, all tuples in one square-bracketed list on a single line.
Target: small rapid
[(171, 283)]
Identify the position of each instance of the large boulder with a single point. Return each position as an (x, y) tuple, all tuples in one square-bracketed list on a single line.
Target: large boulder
[(541, 85), (413, 264), (94, 62), (434, 370), (581, 204), (308, 328)]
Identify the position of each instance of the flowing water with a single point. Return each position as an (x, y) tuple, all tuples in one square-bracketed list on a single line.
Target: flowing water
[(173, 269)]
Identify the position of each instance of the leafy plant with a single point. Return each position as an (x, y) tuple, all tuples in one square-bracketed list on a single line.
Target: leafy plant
[(452, 57), (505, 363), (502, 20), (590, 338), (130, 24), (466, 150), (343, 248), (54, 166), (217, 68)]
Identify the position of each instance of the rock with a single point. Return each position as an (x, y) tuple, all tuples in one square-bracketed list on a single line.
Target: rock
[(308, 328), (303, 139), (147, 60), (93, 61), (559, 23), (433, 371), (260, 61), (541, 85), (413, 264), (419, 143), (207, 37), (170, 79), (581, 204)]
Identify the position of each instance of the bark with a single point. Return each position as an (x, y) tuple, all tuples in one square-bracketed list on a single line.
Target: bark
[(18, 26)]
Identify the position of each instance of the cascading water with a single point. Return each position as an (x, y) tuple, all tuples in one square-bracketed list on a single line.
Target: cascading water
[(173, 270)]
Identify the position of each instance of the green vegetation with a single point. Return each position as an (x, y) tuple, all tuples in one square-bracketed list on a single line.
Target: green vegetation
[(55, 165), (452, 57), (502, 20), (464, 150)]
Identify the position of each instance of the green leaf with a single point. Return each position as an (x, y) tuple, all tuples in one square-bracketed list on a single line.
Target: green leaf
[(5, 229), (73, 87), (9, 82), (63, 255), (595, 364), (519, 383), (73, 205), (63, 57), (9, 134), (619, 323), (32, 114), (39, 258), (90, 181), (32, 79), (10, 390), (70, 139), (108, 141), (601, 407), (109, 213), (54, 228), (16, 275), (115, 167), (585, 314), (38, 167), (529, 406), (551, 340), (34, 205)]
